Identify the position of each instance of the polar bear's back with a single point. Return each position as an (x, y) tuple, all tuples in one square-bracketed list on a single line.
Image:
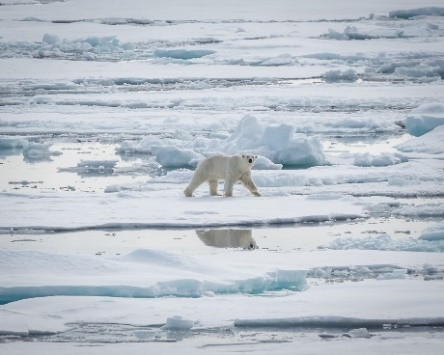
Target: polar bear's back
[(214, 166)]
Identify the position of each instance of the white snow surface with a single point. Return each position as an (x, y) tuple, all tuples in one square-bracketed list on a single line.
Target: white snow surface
[(125, 209), (106, 107)]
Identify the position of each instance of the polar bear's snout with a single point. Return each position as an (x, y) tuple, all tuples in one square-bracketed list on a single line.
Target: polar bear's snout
[(250, 158)]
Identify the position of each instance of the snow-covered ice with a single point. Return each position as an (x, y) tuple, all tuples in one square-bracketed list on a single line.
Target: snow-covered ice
[(429, 143), (425, 118), (107, 107), (435, 232)]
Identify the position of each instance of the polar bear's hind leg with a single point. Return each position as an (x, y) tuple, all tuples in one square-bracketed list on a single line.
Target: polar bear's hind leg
[(213, 187), (197, 180)]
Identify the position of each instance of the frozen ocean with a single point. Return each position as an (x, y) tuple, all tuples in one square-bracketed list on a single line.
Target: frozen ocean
[(107, 107)]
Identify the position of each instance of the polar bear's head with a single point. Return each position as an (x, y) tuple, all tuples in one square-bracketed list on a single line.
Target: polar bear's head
[(249, 159)]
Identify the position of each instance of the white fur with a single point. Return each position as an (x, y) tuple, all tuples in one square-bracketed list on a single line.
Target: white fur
[(223, 167)]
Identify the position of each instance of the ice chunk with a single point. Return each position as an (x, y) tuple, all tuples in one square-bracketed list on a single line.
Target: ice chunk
[(263, 163), (333, 34), (170, 153), (8, 143), (276, 145), (89, 48), (173, 157), (335, 76), (12, 146), (433, 233), (425, 118), (50, 39), (247, 128), (354, 33), (359, 333), (178, 323), (430, 143), (142, 147), (397, 274), (383, 159), (428, 210), (35, 152), (277, 137), (423, 70), (183, 53), (433, 69)]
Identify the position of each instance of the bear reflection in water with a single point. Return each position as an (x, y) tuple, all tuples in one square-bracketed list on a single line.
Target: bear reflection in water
[(227, 238)]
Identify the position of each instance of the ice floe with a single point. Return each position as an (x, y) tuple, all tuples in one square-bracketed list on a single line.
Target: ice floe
[(91, 48), (429, 143), (123, 210), (434, 233), (92, 167), (386, 242), (154, 274), (398, 274), (422, 11), (182, 54), (178, 323), (353, 33)]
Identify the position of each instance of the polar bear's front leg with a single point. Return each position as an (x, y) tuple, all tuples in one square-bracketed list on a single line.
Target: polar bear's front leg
[(248, 182)]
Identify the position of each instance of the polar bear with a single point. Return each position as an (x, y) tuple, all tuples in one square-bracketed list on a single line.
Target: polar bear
[(223, 167)]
